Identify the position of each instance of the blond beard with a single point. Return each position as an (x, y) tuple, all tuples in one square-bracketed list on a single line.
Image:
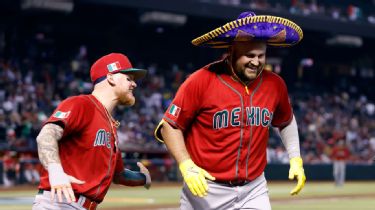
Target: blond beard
[(127, 101)]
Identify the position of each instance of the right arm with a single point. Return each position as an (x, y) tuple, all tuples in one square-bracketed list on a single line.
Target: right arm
[(48, 151), (194, 176), (180, 114), (174, 140)]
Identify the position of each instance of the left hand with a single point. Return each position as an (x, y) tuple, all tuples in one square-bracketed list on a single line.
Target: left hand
[(296, 170), (145, 171)]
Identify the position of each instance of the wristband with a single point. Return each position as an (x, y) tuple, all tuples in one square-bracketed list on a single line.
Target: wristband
[(56, 175)]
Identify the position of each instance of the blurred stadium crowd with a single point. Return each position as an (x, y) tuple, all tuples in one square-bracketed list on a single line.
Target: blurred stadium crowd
[(336, 9), (28, 97), (31, 88)]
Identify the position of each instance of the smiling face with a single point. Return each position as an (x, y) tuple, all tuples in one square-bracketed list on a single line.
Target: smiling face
[(248, 59), (123, 88)]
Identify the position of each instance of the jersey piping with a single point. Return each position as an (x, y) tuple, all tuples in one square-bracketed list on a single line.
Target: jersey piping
[(242, 121), (110, 159), (251, 126)]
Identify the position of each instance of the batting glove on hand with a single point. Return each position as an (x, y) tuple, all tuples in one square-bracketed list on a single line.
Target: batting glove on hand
[(296, 170), (61, 183), (195, 177)]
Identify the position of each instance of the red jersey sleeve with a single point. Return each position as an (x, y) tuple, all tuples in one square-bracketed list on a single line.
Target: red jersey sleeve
[(187, 101), (73, 114), (283, 114)]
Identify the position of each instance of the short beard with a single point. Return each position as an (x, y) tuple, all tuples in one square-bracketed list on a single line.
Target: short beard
[(126, 101), (243, 76)]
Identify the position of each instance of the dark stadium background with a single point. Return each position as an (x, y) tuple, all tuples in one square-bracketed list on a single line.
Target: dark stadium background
[(47, 48)]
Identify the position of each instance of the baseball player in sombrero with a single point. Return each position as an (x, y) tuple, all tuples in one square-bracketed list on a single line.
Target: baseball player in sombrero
[(217, 125)]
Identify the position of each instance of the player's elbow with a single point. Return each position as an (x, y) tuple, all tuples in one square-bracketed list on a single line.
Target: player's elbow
[(116, 178)]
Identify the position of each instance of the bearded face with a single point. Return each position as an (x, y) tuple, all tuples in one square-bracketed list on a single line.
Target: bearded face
[(127, 99), (125, 85), (248, 59)]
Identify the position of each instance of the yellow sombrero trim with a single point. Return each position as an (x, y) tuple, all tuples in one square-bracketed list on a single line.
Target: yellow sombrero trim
[(235, 23), (239, 22), (232, 25), (247, 20)]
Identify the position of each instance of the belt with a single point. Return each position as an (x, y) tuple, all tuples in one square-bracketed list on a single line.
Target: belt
[(232, 183), (82, 200)]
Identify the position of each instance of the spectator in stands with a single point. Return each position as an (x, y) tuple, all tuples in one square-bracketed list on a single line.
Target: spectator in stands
[(31, 173), (11, 167), (29, 169)]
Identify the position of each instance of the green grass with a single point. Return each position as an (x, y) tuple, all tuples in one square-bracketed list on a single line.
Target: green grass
[(315, 196), (324, 196)]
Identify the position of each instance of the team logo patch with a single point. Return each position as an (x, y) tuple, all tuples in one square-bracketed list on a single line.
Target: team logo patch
[(61, 115), (114, 66), (102, 138), (174, 110)]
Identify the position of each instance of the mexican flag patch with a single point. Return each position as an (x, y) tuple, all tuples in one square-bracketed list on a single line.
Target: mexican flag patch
[(114, 66), (61, 115), (174, 110)]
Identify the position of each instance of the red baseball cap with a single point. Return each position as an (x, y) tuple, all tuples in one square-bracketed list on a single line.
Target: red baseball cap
[(114, 63)]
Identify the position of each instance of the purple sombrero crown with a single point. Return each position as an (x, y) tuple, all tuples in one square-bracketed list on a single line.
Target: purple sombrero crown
[(276, 31)]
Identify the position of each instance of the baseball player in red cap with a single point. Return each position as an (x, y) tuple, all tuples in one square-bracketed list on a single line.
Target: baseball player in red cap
[(78, 144), (217, 125)]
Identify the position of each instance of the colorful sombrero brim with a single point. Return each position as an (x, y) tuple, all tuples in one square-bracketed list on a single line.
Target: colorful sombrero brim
[(276, 31)]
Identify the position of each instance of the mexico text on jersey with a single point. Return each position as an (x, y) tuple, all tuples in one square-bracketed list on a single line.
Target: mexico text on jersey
[(229, 118)]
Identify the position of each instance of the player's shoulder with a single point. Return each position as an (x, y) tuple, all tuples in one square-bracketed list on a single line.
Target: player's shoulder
[(84, 99), (209, 71), (79, 101), (271, 76), (203, 72), (198, 77)]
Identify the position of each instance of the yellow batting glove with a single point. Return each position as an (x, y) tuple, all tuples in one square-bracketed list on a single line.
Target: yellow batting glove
[(296, 170), (195, 177)]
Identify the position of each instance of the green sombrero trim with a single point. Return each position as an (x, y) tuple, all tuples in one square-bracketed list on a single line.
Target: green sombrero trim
[(247, 20)]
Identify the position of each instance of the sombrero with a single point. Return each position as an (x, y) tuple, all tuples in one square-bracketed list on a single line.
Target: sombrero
[(276, 31)]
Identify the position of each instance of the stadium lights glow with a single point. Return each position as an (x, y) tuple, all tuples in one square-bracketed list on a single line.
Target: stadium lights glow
[(347, 40), (163, 17), (55, 5)]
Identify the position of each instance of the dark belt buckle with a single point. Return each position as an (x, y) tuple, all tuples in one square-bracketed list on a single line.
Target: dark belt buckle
[(238, 183)]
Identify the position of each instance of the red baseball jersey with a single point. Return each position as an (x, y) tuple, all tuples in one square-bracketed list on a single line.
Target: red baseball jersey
[(340, 153), (88, 149), (226, 128)]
